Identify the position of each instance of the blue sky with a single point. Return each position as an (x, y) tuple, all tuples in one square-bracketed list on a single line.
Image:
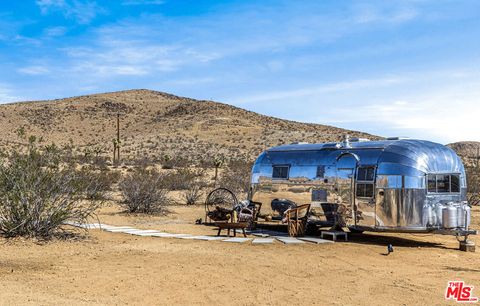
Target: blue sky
[(391, 68)]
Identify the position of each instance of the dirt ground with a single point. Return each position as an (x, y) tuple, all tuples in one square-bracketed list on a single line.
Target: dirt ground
[(117, 269)]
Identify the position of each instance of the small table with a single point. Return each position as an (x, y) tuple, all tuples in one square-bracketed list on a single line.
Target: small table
[(334, 234), (228, 226)]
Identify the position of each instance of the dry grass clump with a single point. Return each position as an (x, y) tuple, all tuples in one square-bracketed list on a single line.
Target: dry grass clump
[(193, 194)]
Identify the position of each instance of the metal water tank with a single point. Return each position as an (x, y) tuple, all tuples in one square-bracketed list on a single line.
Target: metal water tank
[(450, 216)]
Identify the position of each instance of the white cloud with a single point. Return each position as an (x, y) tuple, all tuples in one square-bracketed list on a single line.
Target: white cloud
[(7, 95), (121, 59), (441, 105), (315, 91), (82, 11), (143, 2), (47, 5), (34, 70), (55, 31), (389, 14)]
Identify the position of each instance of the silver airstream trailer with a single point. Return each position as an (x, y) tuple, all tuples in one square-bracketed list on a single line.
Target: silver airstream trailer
[(396, 184)]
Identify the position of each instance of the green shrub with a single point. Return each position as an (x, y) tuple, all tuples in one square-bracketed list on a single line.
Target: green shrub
[(37, 195)]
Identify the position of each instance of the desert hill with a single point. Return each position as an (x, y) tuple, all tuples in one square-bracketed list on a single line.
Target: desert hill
[(469, 151), (155, 123)]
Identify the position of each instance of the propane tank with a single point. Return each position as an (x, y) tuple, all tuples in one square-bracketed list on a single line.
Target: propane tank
[(438, 213), (468, 213), (449, 216), (429, 216), (461, 214)]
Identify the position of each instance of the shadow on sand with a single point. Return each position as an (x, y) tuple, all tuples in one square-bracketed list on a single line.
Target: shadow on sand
[(395, 241)]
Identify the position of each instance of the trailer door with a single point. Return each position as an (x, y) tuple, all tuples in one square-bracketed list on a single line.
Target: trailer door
[(364, 196), (346, 166)]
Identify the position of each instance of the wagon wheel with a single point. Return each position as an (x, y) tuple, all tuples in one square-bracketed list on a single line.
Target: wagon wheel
[(221, 197)]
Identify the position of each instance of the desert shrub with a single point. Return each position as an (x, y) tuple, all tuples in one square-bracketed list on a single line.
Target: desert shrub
[(176, 161), (473, 180), (236, 176), (183, 178), (145, 191), (37, 194), (97, 183), (192, 194)]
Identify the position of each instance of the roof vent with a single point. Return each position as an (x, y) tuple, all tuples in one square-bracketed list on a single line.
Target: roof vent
[(299, 143), (397, 138), (358, 139), (346, 142)]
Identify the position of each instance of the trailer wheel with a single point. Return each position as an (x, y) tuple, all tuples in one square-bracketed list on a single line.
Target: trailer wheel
[(222, 198)]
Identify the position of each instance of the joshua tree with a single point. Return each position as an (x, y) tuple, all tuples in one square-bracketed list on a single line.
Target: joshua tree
[(116, 145), (217, 163), (167, 162)]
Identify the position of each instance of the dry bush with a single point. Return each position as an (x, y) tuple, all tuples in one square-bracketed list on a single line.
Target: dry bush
[(97, 183), (145, 191), (236, 176), (473, 181), (183, 179), (37, 195), (192, 194)]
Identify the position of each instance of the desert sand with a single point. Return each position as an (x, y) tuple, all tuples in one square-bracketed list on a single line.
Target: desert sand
[(117, 269)]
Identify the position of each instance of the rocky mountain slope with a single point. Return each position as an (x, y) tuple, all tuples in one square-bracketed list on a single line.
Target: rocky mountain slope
[(469, 151), (154, 124)]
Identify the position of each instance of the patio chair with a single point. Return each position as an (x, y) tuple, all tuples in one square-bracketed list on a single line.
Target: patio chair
[(296, 219)]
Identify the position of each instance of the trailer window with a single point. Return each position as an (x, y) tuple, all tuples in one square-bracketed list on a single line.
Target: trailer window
[(365, 182), (432, 183), (365, 190), (365, 174), (280, 172), (455, 183), (443, 183)]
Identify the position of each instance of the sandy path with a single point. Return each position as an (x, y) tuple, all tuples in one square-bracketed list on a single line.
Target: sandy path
[(112, 268)]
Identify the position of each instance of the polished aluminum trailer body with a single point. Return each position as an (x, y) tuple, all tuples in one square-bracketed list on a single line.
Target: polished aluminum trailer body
[(388, 185)]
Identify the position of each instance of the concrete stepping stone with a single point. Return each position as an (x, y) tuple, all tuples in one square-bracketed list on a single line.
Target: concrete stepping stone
[(262, 235), (142, 232), (205, 238), (121, 229), (263, 240), (237, 240), (315, 240), (212, 238), (289, 240), (168, 235), (195, 237)]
